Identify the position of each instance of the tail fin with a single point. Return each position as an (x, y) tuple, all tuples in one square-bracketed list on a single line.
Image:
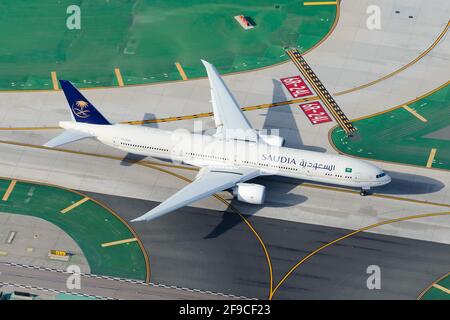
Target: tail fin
[(81, 108)]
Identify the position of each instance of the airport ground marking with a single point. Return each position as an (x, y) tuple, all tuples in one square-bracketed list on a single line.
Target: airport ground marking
[(330, 31), (414, 113), (115, 243), (178, 118), (9, 190), (330, 140), (181, 71), (141, 245), (74, 205), (321, 91), (376, 195), (431, 158), (424, 291), (282, 103), (433, 45), (263, 245), (437, 286), (320, 3), (29, 287), (118, 77), (156, 166), (389, 75), (126, 280), (54, 80), (183, 167), (378, 224), (235, 210)]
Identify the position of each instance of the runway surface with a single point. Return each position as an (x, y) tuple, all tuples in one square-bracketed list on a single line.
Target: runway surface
[(41, 280), (368, 72), (212, 250)]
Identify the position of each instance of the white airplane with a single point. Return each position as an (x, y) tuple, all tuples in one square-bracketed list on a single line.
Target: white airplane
[(229, 158)]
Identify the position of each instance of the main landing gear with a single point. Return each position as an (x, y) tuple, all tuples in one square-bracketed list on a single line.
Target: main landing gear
[(364, 192)]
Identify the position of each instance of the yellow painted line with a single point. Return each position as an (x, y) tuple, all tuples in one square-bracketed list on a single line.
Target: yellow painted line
[(423, 54), (415, 113), (378, 224), (447, 291), (76, 204), (181, 71), (119, 77), (383, 112), (115, 243), (157, 165), (54, 80), (11, 186), (321, 3), (3, 253), (235, 210), (424, 291), (431, 157)]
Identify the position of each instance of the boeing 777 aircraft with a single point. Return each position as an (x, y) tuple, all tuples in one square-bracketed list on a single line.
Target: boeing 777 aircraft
[(235, 154)]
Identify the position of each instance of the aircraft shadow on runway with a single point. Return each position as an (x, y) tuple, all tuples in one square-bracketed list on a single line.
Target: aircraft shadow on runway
[(402, 184), (406, 183), (282, 119)]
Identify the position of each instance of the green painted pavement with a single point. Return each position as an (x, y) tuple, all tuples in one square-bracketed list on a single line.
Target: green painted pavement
[(89, 225), (144, 38), (436, 294), (398, 136)]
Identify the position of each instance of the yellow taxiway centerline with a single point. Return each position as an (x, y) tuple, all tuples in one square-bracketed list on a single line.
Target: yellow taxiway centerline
[(54, 80), (9, 190), (414, 113), (447, 291), (423, 54), (181, 71), (321, 248), (431, 157), (119, 77), (114, 243), (76, 204), (321, 3)]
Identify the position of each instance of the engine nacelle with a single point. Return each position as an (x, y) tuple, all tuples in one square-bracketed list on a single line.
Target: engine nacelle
[(272, 140), (250, 193)]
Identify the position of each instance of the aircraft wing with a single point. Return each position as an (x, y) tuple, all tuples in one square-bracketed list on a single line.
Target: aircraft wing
[(208, 181), (228, 115)]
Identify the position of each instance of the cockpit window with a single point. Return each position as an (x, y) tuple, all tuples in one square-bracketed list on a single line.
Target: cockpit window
[(380, 175)]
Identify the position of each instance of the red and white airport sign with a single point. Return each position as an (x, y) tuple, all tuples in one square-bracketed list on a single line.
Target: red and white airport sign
[(296, 86), (315, 112)]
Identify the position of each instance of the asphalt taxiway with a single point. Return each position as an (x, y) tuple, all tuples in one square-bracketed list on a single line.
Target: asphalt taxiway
[(202, 246), (213, 250), (40, 280)]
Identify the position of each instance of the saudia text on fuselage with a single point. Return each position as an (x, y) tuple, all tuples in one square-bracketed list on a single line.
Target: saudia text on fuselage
[(301, 163)]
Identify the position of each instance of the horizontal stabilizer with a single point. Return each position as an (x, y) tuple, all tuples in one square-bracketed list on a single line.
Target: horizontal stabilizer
[(66, 137)]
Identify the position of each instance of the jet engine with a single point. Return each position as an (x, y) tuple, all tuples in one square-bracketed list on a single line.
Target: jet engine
[(272, 140), (250, 193)]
